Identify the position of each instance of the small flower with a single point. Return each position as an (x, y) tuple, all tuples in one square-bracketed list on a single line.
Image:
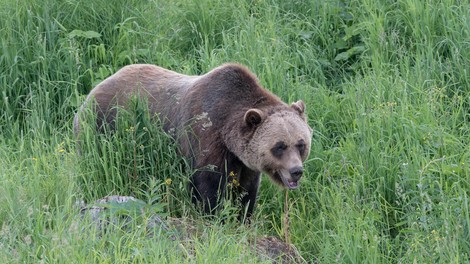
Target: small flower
[(34, 159), (168, 181), (235, 183)]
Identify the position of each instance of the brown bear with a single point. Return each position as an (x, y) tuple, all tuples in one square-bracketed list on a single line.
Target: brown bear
[(228, 126)]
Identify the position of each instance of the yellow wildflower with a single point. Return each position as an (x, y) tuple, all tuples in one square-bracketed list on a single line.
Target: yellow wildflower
[(235, 183), (168, 181)]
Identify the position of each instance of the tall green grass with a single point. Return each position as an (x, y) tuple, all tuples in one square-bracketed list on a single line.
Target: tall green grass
[(387, 89), (132, 156)]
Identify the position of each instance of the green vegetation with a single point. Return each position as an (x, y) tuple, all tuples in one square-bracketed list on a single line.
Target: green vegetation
[(387, 88)]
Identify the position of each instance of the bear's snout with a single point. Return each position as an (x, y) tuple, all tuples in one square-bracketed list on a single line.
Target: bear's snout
[(296, 173)]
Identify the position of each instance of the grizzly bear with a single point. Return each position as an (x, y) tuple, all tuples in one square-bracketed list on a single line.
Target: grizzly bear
[(226, 124)]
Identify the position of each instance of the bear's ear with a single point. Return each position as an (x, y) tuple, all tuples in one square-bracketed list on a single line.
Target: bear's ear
[(254, 117), (299, 106)]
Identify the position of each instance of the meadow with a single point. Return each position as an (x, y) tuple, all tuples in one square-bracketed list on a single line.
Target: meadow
[(387, 89)]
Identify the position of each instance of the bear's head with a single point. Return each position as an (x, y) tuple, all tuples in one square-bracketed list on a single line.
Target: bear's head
[(279, 143)]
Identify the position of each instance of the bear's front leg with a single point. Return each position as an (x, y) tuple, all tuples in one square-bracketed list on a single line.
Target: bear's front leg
[(249, 185), (208, 187)]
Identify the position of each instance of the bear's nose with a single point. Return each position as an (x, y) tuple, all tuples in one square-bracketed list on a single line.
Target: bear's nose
[(296, 173)]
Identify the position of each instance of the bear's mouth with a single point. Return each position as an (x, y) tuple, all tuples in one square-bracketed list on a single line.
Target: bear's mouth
[(287, 181)]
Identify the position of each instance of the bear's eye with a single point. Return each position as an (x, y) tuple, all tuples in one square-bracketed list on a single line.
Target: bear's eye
[(301, 147), (278, 149)]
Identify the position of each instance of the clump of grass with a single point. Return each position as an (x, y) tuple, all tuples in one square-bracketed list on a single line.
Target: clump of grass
[(124, 157)]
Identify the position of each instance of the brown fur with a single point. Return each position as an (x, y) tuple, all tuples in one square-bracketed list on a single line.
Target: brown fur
[(223, 118)]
